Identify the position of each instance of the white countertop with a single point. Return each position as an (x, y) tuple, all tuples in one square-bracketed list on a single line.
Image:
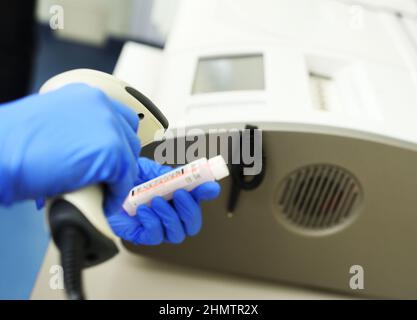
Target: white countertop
[(127, 276)]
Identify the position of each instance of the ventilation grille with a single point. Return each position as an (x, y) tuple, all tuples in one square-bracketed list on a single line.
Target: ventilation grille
[(319, 196)]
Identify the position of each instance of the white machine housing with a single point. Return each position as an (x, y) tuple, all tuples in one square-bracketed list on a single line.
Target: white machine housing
[(333, 86)]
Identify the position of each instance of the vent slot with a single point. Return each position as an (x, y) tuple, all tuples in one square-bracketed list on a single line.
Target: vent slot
[(318, 197), (322, 91)]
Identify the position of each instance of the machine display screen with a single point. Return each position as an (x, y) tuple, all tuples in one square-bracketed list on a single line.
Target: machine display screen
[(232, 73)]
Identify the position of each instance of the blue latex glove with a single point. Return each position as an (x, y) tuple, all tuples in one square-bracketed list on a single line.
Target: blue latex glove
[(163, 221), (64, 140)]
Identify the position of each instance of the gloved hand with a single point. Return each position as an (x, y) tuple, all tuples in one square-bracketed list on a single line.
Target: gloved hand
[(163, 221), (63, 140)]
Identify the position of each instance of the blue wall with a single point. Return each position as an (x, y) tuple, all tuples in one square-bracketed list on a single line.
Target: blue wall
[(23, 241)]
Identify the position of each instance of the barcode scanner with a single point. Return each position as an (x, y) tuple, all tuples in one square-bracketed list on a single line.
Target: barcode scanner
[(76, 220)]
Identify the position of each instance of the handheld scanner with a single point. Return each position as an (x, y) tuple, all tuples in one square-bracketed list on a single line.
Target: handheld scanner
[(84, 207), (151, 118)]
